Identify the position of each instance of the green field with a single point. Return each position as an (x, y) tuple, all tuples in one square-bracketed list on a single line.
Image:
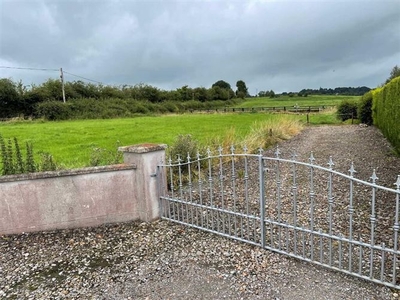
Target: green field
[(72, 142), (312, 100)]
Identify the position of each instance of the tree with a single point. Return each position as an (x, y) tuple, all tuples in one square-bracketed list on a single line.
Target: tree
[(10, 104), (241, 91), (217, 93), (393, 74), (222, 84), (200, 94), (272, 94)]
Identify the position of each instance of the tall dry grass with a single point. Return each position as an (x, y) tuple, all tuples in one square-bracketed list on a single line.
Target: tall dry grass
[(263, 134)]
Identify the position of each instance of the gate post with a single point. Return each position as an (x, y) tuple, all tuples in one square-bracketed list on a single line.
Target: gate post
[(146, 157)]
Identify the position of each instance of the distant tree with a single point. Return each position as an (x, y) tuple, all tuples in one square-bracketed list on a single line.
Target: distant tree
[(150, 93), (53, 88), (217, 93), (272, 94), (261, 94), (393, 74), (242, 90), (222, 84), (200, 94), (186, 93)]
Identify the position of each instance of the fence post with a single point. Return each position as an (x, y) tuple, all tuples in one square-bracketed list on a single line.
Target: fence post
[(262, 198), (146, 157)]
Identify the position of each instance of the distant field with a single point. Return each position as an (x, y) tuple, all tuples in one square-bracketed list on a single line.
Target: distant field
[(72, 142), (313, 100)]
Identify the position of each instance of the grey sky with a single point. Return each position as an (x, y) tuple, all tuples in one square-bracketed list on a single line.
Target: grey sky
[(279, 45)]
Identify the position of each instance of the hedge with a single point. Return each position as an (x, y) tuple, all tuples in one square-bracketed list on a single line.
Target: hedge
[(386, 111)]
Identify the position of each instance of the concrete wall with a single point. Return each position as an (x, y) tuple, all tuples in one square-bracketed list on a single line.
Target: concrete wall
[(83, 197)]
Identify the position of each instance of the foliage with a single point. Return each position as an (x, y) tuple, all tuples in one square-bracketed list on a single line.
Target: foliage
[(10, 104), (262, 134), (393, 74), (270, 94), (347, 109), (222, 84), (346, 91), (102, 156), (241, 91), (13, 163), (53, 110), (364, 110), (386, 112), (183, 147)]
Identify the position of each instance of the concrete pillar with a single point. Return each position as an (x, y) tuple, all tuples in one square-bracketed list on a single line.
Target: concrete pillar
[(146, 157)]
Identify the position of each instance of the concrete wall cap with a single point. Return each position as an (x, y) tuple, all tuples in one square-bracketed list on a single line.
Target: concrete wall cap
[(63, 173), (143, 148)]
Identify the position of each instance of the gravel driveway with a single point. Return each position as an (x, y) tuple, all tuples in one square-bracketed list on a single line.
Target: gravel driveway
[(163, 260)]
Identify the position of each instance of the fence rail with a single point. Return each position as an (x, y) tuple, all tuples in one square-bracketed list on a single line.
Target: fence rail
[(299, 209), (288, 109)]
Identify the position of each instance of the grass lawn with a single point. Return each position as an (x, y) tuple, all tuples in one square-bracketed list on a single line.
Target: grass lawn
[(312, 100), (72, 142)]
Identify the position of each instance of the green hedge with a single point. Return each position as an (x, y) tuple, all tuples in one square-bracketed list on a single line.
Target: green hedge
[(386, 111), (90, 108)]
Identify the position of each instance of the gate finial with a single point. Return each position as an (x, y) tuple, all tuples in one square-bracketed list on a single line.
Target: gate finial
[(220, 150), (352, 170), (294, 155), (311, 159), (330, 163), (208, 152), (374, 177), (397, 184), (277, 152)]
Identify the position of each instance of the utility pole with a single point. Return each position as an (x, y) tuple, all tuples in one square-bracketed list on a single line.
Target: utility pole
[(62, 84)]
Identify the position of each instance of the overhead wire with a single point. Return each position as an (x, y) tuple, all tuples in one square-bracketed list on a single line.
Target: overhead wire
[(81, 77), (48, 69), (32, 69)]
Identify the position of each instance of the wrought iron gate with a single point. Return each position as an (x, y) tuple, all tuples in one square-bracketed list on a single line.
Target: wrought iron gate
[(303, 210)]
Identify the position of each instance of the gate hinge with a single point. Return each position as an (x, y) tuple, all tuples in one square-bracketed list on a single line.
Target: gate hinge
[(153, 175)]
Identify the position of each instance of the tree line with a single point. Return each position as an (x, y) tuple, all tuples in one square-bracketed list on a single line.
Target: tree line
[(17, 99)]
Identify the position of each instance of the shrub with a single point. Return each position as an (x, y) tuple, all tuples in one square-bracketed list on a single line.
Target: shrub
[(183, 146), (13, 163), (347, 109), (102, 157), (364, 110), (53, 110)]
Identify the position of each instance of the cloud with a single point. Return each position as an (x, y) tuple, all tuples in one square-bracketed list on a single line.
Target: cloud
[(280, 45)]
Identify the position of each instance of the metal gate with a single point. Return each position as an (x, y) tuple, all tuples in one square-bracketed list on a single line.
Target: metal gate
[(303, 210)]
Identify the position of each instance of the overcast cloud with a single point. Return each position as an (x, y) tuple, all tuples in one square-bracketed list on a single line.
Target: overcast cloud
[(279, 45)]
